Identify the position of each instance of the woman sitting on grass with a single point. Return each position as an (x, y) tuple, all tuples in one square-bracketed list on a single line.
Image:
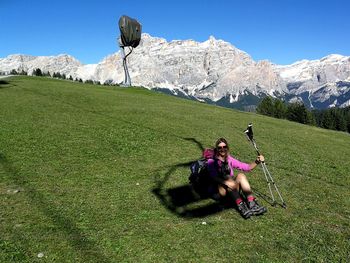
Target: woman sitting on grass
[(221, 171)]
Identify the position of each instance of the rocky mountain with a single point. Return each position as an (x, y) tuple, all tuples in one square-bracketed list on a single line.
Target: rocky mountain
[(63, 63), (319, 83), (213, 71)]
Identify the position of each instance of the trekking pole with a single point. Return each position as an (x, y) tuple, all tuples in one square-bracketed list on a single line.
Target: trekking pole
[(268, 183), (273, 182), (268, 176)]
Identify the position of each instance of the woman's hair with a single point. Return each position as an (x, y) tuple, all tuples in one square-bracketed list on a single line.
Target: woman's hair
[(220, 140)]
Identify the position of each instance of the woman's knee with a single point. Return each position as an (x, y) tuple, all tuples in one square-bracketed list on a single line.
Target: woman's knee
[(232, 184), (243, 182), (228, 184), (241, 176)]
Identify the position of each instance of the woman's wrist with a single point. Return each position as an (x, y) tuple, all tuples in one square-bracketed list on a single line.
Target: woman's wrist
[(257, 161)]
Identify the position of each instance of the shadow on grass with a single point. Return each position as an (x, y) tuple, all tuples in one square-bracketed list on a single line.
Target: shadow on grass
[(177, 200), (87, 249), (199, 144), (266, 198), (4, 84)]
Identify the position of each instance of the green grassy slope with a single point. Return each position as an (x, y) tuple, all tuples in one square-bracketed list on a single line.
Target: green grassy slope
[(85, 174)]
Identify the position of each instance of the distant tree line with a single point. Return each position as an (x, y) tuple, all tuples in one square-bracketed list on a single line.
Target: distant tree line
[(19, 72), (333, 118), (38, 72)]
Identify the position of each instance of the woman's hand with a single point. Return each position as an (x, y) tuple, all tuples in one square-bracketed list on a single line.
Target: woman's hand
[(260, 159), (257, 161)]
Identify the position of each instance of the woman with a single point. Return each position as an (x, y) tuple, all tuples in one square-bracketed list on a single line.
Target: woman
[(221, 170)]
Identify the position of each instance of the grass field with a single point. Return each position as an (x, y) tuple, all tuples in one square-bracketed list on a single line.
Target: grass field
[(92, 174)]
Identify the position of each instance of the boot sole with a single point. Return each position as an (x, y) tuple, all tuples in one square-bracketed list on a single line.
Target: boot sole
[(259, 212), (248, 215)]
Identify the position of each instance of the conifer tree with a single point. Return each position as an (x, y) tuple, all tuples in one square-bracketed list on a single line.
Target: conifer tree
[(279, 109), (339, 117), (297, 112), (14, 72), (327, 120), (23, 72), (347, 117), (37, 72), (266, 107)]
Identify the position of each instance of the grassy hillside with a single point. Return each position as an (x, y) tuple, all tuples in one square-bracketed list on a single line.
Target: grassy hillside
[(91, 174)]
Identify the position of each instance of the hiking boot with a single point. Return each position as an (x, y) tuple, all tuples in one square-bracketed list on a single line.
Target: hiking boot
[(244, 210), (256, 208)]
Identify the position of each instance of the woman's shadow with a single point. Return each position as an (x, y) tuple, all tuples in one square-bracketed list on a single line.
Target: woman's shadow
[(183, 200)]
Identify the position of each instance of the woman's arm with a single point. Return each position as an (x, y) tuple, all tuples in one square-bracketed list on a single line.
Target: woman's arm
[(258, 160), (234, 163)]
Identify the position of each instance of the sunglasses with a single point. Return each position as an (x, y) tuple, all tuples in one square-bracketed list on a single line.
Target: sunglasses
[(222, 147)]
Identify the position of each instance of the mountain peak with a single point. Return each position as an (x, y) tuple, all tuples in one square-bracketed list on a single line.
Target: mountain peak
[(333, 57)]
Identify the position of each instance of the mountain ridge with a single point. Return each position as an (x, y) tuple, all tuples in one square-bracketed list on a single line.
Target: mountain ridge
[(213, 70)]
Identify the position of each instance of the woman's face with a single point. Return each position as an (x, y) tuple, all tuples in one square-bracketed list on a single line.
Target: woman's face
[(222, 149)]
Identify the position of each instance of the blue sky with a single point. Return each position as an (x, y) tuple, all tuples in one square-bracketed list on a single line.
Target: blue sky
[(282, 31)]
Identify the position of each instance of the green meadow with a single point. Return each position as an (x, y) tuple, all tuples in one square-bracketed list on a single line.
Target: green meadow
[(100, 174)]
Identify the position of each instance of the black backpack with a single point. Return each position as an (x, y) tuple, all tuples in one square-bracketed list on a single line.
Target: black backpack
[(199, 168)]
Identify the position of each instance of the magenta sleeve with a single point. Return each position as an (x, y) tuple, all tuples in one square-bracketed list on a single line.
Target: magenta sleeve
[(234, 163)]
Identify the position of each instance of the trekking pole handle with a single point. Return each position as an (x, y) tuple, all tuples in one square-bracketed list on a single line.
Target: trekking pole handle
[(249, 133)]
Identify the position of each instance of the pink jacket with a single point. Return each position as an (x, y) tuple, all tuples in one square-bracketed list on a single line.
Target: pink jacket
[(233, 164)]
